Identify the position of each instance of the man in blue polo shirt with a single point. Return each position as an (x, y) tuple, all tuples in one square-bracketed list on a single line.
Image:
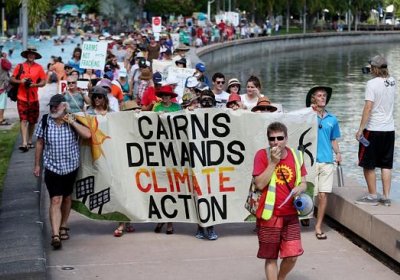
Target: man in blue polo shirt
[(328, 133)]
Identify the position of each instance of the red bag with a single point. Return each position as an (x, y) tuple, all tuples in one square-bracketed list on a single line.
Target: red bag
[(5, 64)]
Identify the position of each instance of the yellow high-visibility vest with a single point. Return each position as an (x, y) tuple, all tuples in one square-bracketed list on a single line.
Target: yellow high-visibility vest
[(271, 195)]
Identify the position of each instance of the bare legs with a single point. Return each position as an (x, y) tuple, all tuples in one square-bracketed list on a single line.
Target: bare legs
[(370, 178), (322, 203), (27, 130), (59, 212), (271, 268)]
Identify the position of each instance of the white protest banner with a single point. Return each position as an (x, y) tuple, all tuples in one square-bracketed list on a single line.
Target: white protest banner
[(162, 67), (179, 75), (175, 39), (156, 24), (187, 166), (93, 55)]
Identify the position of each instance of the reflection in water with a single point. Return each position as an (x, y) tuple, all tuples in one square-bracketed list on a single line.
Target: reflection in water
[(287, 77)]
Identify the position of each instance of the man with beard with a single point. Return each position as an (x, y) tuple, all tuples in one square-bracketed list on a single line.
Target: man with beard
[(58, 141)]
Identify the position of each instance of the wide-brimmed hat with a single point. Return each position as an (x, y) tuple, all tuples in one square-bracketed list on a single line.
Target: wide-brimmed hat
[(31, 49), (263, 104), (166, 90), (232, 82), (234, 97), (314, 89), (188, 98), (191, 82), (130, 105), (56, 99), (145, 74), (182, 47), (99, 90)]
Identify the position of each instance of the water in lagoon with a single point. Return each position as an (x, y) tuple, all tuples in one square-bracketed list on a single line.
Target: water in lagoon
[(287, 77)]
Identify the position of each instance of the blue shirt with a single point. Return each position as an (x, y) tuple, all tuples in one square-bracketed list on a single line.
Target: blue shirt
[(328, 130)]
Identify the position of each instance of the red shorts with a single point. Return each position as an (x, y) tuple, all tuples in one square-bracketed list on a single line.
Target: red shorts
[(279, 236), (28, 111)]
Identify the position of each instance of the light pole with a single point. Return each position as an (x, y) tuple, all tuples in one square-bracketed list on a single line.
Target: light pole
[(24, 24), (209, 9)]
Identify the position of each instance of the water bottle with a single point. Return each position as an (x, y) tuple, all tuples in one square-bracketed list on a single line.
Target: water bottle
[(364, 141), (339, 173)]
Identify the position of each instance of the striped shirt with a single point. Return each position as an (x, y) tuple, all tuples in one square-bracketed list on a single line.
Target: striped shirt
[(61, 147)]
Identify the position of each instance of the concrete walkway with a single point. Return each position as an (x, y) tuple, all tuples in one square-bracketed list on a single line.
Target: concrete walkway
[(93, 252)]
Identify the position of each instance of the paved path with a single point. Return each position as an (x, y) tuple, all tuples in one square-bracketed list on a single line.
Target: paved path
[(94, 253)]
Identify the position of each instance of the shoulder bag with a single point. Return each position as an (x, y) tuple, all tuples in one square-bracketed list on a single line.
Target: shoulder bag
[(12, 90)]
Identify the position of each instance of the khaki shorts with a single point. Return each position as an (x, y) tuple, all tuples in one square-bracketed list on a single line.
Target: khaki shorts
[(324, 177)]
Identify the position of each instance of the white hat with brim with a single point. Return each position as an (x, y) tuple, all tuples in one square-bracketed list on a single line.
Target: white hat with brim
[(182, 47), (29, 50)]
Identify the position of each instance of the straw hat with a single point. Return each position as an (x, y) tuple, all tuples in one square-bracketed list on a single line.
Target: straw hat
[(145, 74), (232, 82), (182, 47), (29, 50), (130, 105), (263, 104)]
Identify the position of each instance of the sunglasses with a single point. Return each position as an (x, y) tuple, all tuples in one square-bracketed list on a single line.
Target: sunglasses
[(220, 82), (71, 83), (98, 96), (279, 138)]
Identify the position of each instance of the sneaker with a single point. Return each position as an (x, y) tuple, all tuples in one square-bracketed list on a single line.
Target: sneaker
[(211, 235), (367, 200), (385, 201), (200, 234)]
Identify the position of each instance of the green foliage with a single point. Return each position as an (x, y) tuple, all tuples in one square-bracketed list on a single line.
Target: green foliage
[(165, 7), (7, 141)]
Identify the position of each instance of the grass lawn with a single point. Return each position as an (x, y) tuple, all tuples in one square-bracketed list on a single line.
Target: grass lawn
[(7, 141)]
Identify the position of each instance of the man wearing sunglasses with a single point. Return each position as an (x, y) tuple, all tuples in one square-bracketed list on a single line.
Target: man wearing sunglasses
[(328, 133), (278, 172), (221, 96)]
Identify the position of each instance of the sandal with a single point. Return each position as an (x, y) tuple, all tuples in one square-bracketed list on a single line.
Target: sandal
[(170, 231), (23, 149), (64, 233), (31, 145), (4, 122), (159, 227), (118, 232), (129, 228), (321, 236), (305, 222), (55, 242)]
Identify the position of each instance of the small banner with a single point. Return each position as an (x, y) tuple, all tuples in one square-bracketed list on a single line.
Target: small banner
[(187, 166), (93, 55)]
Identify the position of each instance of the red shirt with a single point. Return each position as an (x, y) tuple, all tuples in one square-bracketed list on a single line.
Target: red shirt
[(149, 96), (287, 165), (36, 73)]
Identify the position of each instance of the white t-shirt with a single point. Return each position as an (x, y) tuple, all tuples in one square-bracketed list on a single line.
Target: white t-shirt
[(382, 93), (248, 103), (221, 99), (113, 102)]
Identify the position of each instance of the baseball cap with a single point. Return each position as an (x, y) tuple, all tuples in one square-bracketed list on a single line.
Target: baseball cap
[(56, 99), (378, 61)]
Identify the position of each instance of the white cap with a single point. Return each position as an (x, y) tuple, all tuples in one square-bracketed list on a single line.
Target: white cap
[(122, 73), (191, 82)]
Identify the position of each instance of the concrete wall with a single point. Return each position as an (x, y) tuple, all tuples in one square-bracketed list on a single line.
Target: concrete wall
[(223, 53)]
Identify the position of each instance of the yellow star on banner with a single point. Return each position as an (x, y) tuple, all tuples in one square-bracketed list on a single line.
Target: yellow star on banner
[(98, 137)]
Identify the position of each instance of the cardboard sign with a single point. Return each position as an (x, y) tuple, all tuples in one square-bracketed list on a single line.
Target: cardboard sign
[(93, 55)]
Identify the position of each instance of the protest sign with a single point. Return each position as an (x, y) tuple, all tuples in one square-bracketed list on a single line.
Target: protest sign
[(179, 75), (187, 166), (93, 55)]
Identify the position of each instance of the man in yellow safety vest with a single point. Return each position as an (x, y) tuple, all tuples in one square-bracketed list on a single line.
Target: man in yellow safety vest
[(280, 173)]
